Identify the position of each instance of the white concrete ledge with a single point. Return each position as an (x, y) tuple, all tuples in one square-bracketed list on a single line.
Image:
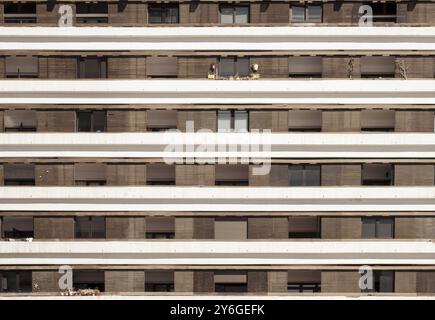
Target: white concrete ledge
[(174, 252), (387, 92), (218, 38), (227, 199), (177, 145)]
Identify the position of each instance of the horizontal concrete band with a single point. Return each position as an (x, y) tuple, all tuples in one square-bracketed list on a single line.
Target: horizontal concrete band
[(215, 38), (177, 145), (388, 92), (218, 252), (235, 199)]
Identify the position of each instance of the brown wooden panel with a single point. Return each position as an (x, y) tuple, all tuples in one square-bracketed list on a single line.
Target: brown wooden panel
[(338, 12), (426, 282), (184, 227), (125, 228), (269, 120), (128, 14), (1, 175), (126, 174), (341, 67), (414, 174), (195, 67), (2, 68), (268, 228), (340, 281), (56, 121), (277, 281), (183, 281), (341, 174), (45, 281), (272, 67), (195, 175), (47, 14), (257, 281), (126, 121), (2, 126), (161, 66), (341, 121), (278, 176), (126, 68), (58, 68), (1, 13), (194, 228), (341, 227), (405, 281), (414, 228), (54, 174), (201, 120), (124, 281), (416, 67), (414, 121), (203, 281), (198, 13), (416, 13), (53, 227), (270, 12)]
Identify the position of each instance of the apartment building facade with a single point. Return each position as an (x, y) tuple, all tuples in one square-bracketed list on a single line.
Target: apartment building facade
[(92, 93)]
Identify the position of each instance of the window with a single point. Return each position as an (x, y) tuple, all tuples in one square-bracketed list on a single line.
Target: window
[(92, 68), (305, 67), (383, 281), (92, 12), (162, 67), (304, 175), (19, 174), (160, 174), (305, 120), (377, 228), (160, 228), (15, 281), (378, 67), (159, 281), (90, 227), (232, 175), (233, 120), (377, 174), (20, 12), (90, 174), (304, 227), (234, 14), (306, 13), (91, 121), (383, 12), (233, 67), (163, 13), (19, 120), (17, 227), (230, 229), (230, 281), (88, 279), (21, 67), (162, 120), (377, 120), (300, 281)]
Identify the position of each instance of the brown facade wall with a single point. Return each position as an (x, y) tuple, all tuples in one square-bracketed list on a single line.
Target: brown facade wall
[(195, 175), (414, 175), (126, 174), (270, 12), (405, 281), (414, 228), (58, 68), (124, 281), (48, 13), (54, 174), (126, 121), (340, 281), (2, 68), (183, 281), (426, 282), (2, 127), (416, 67), (128, 14), (257, 281), (341, 121), (277, 281), (201, 120), (414, 121), (125, 228), (45, 281), (56, 121), (203, 281), (278, 176), (416, 13), (269, 120), (341, 175), (268, 228), (2, 178), (340, 12), (195, 12), (272, 67), (53, 227), (194, 228), (341, 67), (341, 228), (195, 67), (126, 68)]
